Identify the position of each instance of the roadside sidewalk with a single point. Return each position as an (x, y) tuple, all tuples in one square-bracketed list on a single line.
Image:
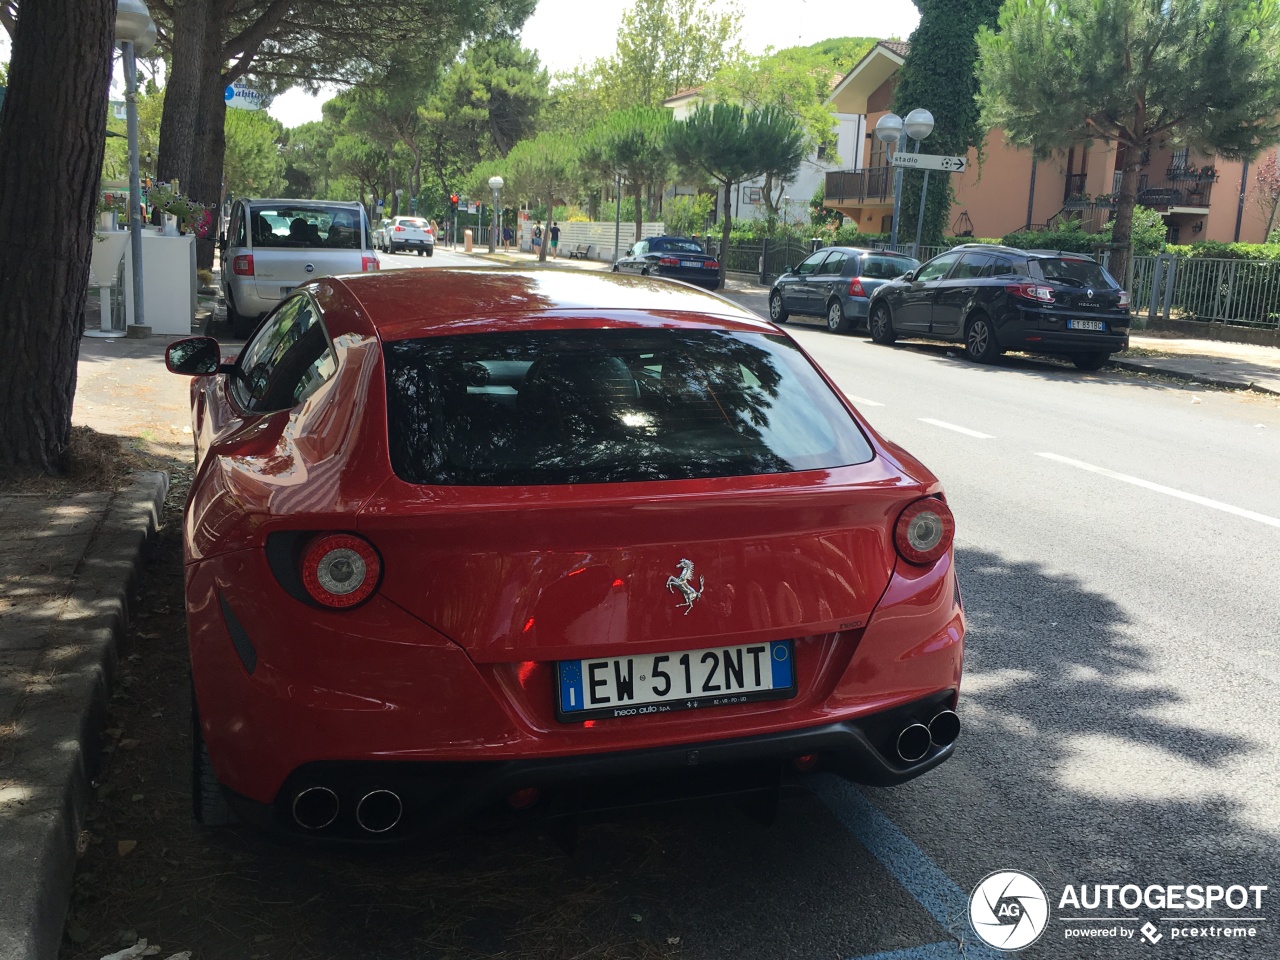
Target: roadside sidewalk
[(69, 562)]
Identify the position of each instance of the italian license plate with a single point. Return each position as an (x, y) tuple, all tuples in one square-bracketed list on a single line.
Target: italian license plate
[(1086, 325), (666, 682), (285, 291), (696, 265)]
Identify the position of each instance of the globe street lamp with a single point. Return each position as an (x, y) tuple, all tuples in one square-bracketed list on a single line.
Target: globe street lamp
[(892, 129), (495, 184), (136, 34)]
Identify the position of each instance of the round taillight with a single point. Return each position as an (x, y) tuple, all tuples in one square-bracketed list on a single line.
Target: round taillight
[(924, 531), (340, 570)]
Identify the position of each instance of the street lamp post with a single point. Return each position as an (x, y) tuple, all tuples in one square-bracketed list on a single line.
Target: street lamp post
[(892, 129), (135, 33), (495, 184)]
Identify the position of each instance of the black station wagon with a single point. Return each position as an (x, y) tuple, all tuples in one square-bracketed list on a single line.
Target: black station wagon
[(993, 298)]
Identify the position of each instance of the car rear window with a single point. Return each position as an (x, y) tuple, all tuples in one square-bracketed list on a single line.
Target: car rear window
[(609, 406), (675, 246), (886, 268), (306, 226), (1076, 272)]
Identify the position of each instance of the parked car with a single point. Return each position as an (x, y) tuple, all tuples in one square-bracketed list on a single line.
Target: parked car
[(380, 234), (272, 246), (467, 540), (676, 258), (993, 298), (410, 233), (836, 283)]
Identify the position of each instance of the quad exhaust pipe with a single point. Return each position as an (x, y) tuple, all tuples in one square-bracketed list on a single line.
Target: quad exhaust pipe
[(915, 741)]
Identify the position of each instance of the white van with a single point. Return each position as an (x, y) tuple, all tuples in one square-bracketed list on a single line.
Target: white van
[(272, 246)]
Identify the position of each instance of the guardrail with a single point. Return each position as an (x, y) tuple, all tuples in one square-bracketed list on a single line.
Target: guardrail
[(1242, 293)]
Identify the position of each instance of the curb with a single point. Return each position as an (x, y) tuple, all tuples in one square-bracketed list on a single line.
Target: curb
[(1137, 367), (57, 752)]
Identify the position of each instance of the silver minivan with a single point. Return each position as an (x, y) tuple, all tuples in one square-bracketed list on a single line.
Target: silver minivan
[(272, 246)]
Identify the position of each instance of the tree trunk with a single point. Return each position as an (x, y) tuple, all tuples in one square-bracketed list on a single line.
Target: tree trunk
[(637, 195), (725, 228), (211, 142), (182, 92), (52, 131), (1122, 228)]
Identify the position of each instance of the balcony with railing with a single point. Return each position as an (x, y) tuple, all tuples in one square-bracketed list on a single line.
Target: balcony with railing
[(874, 185), (1182, 186)]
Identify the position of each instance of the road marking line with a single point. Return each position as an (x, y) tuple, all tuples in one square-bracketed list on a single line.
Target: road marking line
[(924, 880), (863, 401), (1159, 488), (951, 426)]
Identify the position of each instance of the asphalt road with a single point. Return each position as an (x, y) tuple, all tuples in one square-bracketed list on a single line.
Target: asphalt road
[(1116, 538), (1117, 541)]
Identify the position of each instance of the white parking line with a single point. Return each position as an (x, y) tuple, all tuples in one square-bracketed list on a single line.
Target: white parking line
[(1159, 488), (863, 401), (951, 426)]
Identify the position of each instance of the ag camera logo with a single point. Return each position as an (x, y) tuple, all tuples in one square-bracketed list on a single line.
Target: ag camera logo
[(1008, 910)]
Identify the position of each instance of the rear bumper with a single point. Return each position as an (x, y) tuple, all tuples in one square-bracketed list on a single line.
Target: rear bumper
[(1049, 341), (708, 279), (436, 797)]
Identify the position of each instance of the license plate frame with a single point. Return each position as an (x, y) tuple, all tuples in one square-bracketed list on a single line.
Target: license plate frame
[(779, 655), (692, 264), (1096, 326)]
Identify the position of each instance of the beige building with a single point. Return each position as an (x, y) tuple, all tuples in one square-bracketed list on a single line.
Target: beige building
[(1200, 197)]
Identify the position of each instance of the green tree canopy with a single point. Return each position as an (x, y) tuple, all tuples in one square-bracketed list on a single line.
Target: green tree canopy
[(730, 144), (543, 168), (632, 144), (254, 163), (1203, 73)]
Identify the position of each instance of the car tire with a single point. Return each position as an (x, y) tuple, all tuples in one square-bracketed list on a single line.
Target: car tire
[(430, 251), (777, 312), (1092, 361), (837, 322), (980, 340), (881, 325), (208, 803), (419, 251), (615, 268), (644, 272), (240, 325)]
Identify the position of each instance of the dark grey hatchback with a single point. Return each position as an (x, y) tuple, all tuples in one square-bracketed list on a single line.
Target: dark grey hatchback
[(836, 283), (993, 298)]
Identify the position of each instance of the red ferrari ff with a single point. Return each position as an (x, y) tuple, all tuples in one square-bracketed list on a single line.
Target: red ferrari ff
[(479, 539)]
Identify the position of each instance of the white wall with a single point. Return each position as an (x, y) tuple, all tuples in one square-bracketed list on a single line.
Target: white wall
[(599, 234)]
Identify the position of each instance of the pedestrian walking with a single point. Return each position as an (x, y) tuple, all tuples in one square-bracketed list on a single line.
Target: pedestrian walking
[(537, 236), (507, 237), (555, 240)]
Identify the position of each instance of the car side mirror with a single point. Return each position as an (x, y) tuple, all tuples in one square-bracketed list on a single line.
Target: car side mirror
[(789, 269), (194, 357)]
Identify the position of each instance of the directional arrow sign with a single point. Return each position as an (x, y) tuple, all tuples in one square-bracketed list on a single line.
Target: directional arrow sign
[(926, 161)]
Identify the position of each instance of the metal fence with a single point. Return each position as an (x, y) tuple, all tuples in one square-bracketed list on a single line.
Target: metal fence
[(1237, 292)]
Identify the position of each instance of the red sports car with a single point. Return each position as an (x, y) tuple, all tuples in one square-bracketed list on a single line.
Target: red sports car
[(477, 539)]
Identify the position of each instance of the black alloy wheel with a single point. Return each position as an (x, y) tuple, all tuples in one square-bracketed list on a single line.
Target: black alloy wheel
[(980, 340), (1092, 361), (777, 312), (882, 325), (837, 322)]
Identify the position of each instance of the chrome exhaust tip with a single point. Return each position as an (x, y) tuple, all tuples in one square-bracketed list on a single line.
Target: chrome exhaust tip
[(315, 808), (379, 810), (944, 728), (914, 742)]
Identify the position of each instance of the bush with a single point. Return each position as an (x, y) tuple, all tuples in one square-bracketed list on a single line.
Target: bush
[(1068, 236), (686, 215)]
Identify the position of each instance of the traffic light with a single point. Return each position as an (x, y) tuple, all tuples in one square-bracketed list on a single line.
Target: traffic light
[(453, 202)]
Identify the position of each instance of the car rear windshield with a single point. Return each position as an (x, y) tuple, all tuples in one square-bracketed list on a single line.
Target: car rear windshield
[(886, 268), (1073, 271), (674, 246), (405, 221), (306, 226), (608, 406)]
